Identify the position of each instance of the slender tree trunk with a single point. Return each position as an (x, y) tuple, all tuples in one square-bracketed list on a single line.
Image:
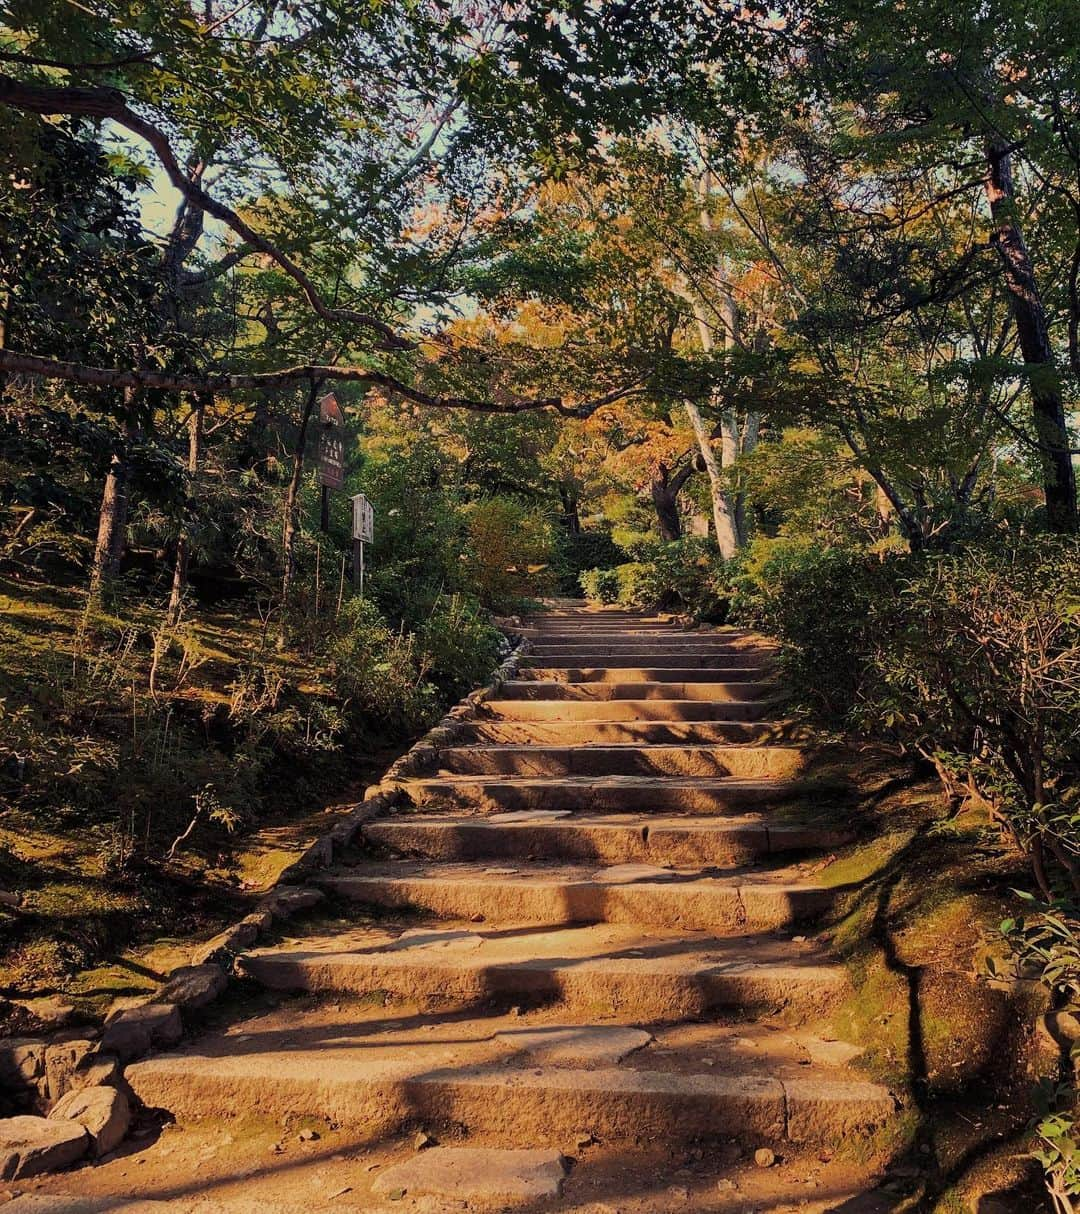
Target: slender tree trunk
[(1029, 313), (112, 517), (571, 518), (727, 536), (665, 499), (290, 525), (728, 508), (183, 542)]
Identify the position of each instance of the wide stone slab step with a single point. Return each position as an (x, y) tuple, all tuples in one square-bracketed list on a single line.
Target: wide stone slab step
[(744, 762), (71, 1203), (615, 794), (638, 674), (638, 894), (384, 1086), (648, 978), (613, 733), (530, 689), (628, 710), (612, 839), (575, 659), (477, 1175)]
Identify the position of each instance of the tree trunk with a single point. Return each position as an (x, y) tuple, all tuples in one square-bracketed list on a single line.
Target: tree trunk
[(183, 542), (290, 525), (727, 536), (571, 518), (729, 509), (665, 499), (112, 517), (1029, 313)]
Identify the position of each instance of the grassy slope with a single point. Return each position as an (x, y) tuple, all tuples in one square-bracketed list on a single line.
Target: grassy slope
[(110, 768)]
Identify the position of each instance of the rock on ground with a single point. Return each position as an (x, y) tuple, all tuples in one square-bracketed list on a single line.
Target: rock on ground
[(474, 1174), (104, 1112), (194, 986), (31, 1145), (131, 1032), (62, 1060)]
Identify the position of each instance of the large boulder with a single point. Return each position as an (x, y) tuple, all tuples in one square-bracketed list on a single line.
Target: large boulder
[(103, 1112), (31, 1145), (22, 1061)]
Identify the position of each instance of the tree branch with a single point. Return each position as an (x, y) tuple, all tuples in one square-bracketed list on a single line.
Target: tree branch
[(111, 103), (224, 383)]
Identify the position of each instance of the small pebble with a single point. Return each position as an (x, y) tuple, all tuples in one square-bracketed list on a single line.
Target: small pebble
[(764, 1157), (308, 1135)]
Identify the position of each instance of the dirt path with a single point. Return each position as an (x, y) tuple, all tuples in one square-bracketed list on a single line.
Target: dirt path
[(586, 987)]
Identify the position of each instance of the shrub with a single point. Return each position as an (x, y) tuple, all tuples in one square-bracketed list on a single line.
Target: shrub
[(508, 554), (976, 665), (600, 585), (459, 648), (582, 551), (818, 602), (379, 675)]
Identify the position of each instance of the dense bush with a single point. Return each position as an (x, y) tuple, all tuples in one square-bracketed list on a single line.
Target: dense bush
[(600, 585), (459, 647), (582, 551), (819, 602), (508, 555), (684, 575), (969, 658)]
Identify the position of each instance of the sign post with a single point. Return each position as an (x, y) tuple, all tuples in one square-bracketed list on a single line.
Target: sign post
[(331, 453), (363, 531)]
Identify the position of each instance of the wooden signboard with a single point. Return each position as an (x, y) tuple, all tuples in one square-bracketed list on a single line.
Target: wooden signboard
[(331, 443)]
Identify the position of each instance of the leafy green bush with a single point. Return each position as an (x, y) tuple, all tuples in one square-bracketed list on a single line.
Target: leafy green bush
[(379, 675), (600, 585), (684, 575), (508, 554), (969, 658), (579, 552), (818, 602), (459, 648)]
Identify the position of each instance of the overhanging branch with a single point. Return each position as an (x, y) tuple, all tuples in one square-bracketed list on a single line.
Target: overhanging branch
[(225, 383)]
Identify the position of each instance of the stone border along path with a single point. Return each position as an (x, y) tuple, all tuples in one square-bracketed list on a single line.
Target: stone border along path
[(599, 863)]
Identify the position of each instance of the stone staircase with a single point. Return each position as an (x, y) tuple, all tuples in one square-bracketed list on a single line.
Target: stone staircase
[(584, 936)]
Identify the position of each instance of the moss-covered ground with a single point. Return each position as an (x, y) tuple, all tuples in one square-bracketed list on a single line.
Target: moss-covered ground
[(924, 893)]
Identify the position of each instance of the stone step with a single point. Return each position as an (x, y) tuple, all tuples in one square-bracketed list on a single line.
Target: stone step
[(614, 794), (576, 659), (597, 652), (524, 689), (611, 733), (647, 978), (639, 674), (626, 760), (515, 1082), (615, 839), (628, 710), (549, 894)]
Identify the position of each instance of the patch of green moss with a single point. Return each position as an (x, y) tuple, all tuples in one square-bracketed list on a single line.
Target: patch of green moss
[(862, 861)]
